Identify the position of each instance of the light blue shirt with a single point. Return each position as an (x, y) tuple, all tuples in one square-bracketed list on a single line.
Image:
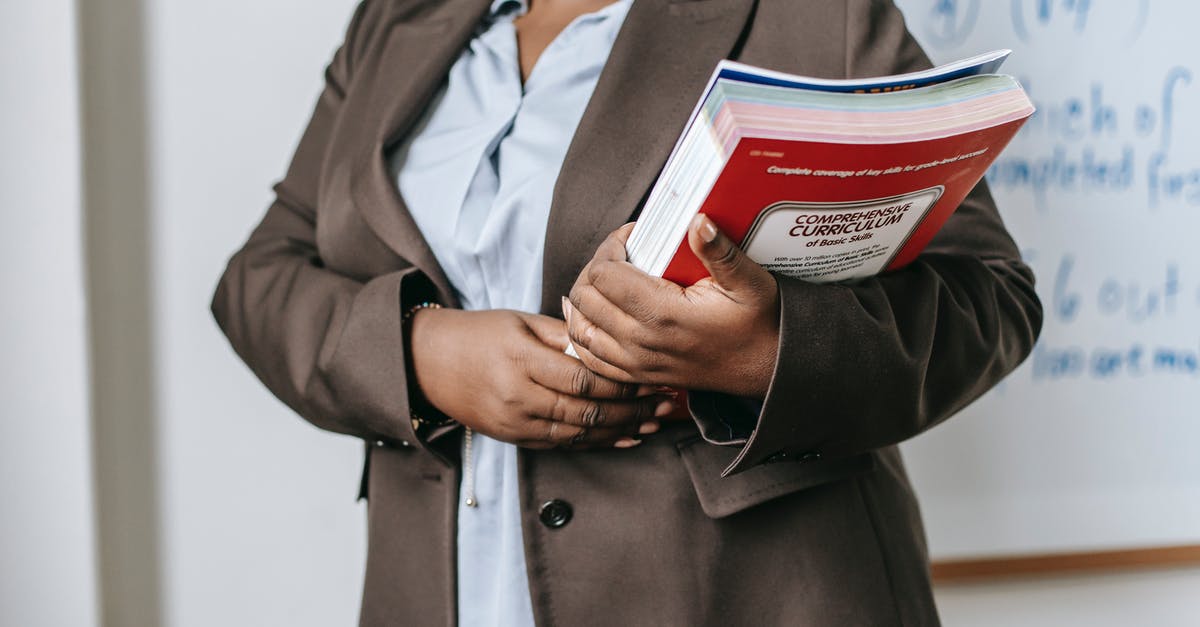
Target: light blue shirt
[(478, 173)]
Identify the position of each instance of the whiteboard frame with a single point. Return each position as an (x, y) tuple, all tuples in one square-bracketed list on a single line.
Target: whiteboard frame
[(977, 569)]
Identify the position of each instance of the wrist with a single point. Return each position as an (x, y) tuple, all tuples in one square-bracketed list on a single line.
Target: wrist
[(420, 323), (762, 367), (754, 365)]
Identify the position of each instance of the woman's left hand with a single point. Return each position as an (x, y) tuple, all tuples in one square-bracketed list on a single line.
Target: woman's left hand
[(720, 334)]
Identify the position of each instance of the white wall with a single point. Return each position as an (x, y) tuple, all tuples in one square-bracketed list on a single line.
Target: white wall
[(47, 569), (260, 525)]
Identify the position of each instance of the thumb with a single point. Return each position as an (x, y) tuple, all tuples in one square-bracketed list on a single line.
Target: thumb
[(549, 331), (725, 261)]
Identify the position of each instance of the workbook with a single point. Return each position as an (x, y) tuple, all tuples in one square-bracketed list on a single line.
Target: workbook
[(827, 180)]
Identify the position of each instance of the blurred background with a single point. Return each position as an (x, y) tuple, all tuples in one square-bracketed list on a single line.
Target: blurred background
[(149, 479)]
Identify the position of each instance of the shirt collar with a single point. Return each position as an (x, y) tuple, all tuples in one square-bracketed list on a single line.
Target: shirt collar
[(500, 7)]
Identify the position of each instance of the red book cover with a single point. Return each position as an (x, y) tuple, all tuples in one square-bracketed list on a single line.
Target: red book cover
[(828, 212)]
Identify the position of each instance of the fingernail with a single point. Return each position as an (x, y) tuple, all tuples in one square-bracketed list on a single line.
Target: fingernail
[(646, 428), (626, 443), (663, 390), (566, 309), (647, 390), (664, 408), (708, 230)]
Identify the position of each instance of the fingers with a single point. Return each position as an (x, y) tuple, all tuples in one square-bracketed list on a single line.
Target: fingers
[(554, 434), (620, 282), (573, 422), (547, 434), (567, 375), (595, 309), (601, 414), (597, 341), (551, 331), (613, 246), (554, 370), (573, 407), (636, 293), (604, 368)]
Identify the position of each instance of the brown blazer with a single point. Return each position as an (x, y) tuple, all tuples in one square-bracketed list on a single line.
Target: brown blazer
[(809, 522)]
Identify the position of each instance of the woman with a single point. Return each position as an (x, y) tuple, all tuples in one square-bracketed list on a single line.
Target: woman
[(469, 164)]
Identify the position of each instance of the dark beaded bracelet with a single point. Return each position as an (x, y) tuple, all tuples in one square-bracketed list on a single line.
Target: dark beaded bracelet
[(427, 416)]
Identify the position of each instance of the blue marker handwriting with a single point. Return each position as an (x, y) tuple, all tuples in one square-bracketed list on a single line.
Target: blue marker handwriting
[(1137, 359), (1127, 298), (951, 21), (1085, 144), (1030, 17)]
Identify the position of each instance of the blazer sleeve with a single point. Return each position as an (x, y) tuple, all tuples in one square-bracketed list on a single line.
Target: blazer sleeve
[(869, 364), (328, 346)]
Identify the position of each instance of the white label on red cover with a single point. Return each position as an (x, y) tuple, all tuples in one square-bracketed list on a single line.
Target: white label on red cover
[(825, 242)]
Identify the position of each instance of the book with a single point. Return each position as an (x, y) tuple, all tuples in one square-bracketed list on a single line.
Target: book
[(827, 180)]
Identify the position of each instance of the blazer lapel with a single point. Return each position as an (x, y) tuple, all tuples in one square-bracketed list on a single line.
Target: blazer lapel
[(660, 61), (417, 56)]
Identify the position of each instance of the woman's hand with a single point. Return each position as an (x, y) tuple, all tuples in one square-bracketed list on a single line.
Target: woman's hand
[(504, 374), (720, 334)]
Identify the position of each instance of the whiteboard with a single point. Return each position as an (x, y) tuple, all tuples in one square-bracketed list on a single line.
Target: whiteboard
[(1093, 443)]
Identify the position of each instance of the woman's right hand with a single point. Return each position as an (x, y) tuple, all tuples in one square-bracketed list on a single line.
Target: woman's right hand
[(503, 373)]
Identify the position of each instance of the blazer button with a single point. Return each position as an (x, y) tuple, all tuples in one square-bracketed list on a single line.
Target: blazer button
[(555, 513)]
